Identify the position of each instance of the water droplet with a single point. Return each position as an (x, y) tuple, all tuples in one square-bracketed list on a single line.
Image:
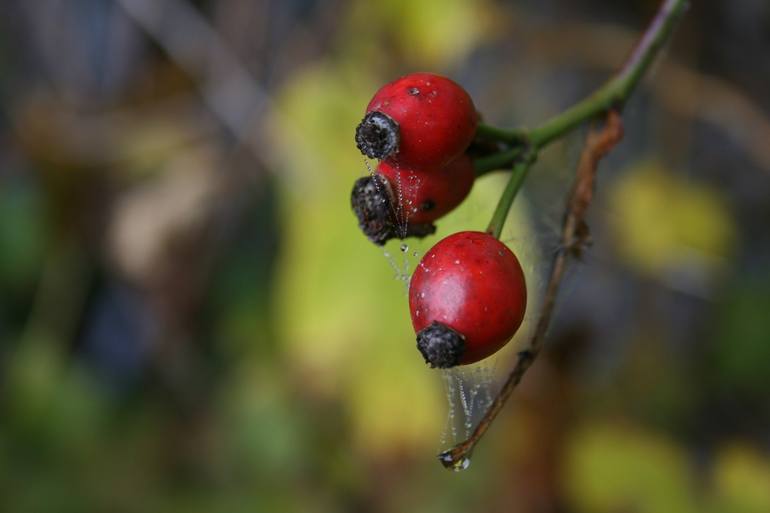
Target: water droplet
[(465, 405), (462, 465), (456, 466), (368, 166), (457, 262), (404, 247)]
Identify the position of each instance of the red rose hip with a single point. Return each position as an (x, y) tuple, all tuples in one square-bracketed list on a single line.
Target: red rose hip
[(401, 202), (419, 120), (467, 298), (429, 195)]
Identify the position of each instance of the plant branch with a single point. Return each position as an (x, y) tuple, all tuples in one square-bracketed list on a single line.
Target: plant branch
[(506, 135), (598, 46), (614, 92), (607, 100), (499, 160), (574, 237), (518, 175)]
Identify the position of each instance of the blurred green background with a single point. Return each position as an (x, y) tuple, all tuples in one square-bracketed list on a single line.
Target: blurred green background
[(190, 320)]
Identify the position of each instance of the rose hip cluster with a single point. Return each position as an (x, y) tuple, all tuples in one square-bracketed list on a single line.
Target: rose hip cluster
[(419, 127), (468, 295)]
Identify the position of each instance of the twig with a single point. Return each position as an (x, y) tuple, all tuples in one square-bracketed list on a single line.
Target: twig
[(615, 92), (574, 237), (605, 101), (612, 94), (685, 92)]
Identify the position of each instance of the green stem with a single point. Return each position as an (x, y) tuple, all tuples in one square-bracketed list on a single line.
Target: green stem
[(613, 94), (518, 174), (496, 161), (515, 136)]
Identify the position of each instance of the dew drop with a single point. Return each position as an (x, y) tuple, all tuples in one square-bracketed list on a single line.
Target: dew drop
[(455, 466), (461, 465), (466, 406), (368, 166)]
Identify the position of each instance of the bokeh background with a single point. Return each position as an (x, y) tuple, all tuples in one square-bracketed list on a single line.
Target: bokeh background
[(190, 320)]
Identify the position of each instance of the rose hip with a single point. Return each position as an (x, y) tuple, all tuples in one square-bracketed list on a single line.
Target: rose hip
[(467, 299)]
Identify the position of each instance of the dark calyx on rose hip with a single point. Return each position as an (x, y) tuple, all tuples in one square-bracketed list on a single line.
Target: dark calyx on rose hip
[(440, 345), (400, 202), (374, 208), (377, 135), (421, 120)]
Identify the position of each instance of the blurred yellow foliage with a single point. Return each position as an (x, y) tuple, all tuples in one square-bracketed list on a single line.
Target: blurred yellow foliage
[(664, 223), (741, 480), (620, 468), (357, 345), (435, 33)]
